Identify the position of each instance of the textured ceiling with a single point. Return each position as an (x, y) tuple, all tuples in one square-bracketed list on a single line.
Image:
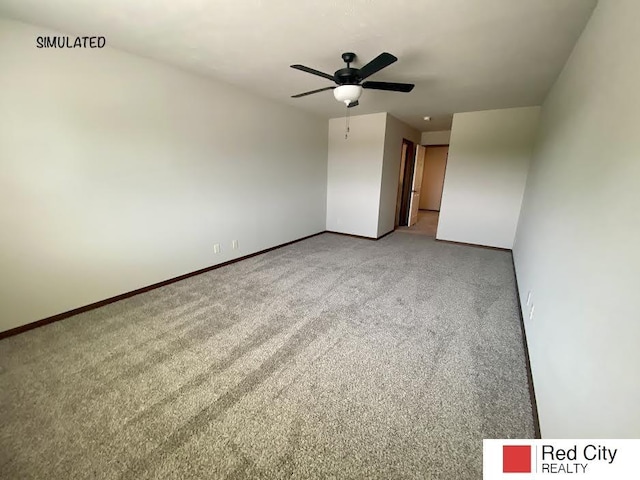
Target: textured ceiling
[(463, 55)]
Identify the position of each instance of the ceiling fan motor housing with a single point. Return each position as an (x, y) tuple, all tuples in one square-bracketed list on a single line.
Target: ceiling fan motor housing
[(347, 76)]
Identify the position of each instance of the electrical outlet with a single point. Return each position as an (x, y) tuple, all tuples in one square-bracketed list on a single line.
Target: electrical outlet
[(234, 244), (533, 307), (216, 248), (529, 298)]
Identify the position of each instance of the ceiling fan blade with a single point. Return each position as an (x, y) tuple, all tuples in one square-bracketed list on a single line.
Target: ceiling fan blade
[(312, 71), (390, 86), (311, 92), (381, 61), (353, 104)]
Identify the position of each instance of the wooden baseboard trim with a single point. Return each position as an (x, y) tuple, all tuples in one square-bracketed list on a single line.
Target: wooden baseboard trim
[(385, 234), (525, 345), (362, 237), (102, 303), (474, 245)]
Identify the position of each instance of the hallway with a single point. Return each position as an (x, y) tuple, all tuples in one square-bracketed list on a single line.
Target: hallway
[(427, 224)]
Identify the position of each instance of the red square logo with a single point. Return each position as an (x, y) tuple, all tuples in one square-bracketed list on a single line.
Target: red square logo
[(516, 458)]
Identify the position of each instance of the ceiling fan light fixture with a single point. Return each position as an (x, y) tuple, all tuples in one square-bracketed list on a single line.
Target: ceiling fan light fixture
[(347, 94)]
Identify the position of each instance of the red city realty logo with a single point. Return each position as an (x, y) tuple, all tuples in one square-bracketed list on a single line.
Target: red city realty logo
[(516, 459)]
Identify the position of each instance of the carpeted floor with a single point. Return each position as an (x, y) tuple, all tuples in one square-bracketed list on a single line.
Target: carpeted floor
[(333, 357)]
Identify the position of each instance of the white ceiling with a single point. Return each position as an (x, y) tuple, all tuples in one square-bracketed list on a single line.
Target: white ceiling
[(463, 55)]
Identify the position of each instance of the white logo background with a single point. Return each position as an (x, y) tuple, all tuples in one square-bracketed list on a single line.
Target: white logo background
[(625, 465)]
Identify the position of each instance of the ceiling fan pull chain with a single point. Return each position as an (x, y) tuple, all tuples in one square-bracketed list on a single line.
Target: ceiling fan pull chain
[(346, 133)]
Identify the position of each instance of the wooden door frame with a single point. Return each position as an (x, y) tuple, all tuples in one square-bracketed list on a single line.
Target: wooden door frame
[(407, 182)]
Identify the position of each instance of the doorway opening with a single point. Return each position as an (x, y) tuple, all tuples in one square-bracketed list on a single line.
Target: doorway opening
[(422, 171)]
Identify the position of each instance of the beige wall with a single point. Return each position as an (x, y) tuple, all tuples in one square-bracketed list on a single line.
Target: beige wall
[(435, 164), (486, 173), (440, 137), (577, 248), (354, 174), (118, 172), (363, 173)]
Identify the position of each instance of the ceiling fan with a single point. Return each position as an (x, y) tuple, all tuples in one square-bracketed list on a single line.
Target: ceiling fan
[(349, 79)]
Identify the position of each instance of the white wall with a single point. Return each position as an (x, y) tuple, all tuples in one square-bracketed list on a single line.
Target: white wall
[(577, 247), (394, 133), (355, 174), (441, 137), (486, 173), (118, 172)]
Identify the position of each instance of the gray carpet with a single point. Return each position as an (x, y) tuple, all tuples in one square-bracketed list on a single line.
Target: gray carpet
[(334, 357)]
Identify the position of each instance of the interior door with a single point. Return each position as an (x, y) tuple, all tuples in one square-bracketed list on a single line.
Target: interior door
[(416, 184), (435, 164)]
